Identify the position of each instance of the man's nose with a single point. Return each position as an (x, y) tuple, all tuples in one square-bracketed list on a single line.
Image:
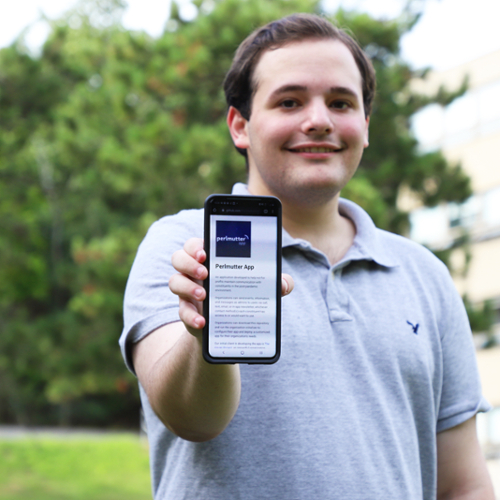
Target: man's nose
[(318, 119)]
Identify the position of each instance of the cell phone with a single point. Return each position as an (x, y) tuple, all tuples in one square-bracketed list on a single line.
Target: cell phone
[(242, 307)]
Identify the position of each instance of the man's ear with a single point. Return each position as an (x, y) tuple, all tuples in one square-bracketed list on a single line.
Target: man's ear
[(367, 142), (237, 128)]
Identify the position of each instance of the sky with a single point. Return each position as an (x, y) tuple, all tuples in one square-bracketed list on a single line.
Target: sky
[(449, 33)]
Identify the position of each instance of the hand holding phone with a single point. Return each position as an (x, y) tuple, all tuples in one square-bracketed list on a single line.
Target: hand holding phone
[(188, 284), (242, 308)]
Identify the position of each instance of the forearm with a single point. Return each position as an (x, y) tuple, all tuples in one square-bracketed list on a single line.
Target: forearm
[(462, 471), (194, 399)]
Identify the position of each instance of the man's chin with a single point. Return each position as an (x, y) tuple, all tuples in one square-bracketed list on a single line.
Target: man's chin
[(311, 195)]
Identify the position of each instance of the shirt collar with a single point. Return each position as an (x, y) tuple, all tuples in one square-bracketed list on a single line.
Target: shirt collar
[(240, 189), (368, 243)]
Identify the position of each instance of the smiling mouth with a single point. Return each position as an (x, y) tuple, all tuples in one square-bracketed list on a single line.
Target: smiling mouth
[(314, 150)]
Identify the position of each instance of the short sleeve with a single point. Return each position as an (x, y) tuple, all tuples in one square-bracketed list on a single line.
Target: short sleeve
[(148, 302), (461, 396)]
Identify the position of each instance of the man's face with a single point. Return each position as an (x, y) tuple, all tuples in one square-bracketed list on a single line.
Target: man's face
[(307, 129)]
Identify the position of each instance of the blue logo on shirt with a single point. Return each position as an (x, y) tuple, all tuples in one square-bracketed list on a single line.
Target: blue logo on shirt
[(414, 327)]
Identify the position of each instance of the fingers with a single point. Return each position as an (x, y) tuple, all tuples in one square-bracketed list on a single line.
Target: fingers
[(188, 284), (187, 288), (191, 295), (191, 317), (287, 284), (194, 248), (189, 260)]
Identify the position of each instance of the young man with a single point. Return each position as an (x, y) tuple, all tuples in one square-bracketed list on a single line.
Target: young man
[(375, 394)]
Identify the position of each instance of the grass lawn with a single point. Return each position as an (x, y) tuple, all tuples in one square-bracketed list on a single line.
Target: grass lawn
[(111, 467)]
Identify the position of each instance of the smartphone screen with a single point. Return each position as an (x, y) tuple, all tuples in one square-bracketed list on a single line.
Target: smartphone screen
[(243, 304)]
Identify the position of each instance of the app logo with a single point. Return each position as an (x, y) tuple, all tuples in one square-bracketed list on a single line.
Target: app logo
[(233, 238)]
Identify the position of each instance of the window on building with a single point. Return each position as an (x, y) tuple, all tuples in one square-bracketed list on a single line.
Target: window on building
[(429, 226), (470, 211), (428, 126), (491, 207), (462, 114), (489, 103)]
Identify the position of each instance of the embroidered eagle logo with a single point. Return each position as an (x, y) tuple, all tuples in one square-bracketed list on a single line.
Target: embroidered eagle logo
[(414, 327)]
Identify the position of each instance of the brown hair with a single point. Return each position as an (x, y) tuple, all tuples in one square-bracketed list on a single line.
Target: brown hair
[(239, 84)]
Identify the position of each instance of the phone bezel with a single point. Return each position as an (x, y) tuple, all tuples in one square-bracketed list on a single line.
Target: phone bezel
[(254, 200)]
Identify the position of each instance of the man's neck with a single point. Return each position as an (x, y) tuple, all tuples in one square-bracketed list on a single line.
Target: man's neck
[(319, 223), (323, 226)]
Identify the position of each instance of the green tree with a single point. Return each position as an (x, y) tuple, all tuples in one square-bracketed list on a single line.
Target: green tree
[(108, 130)]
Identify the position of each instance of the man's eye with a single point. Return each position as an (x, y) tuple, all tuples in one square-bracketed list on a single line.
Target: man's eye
[(288, 103), (340, 104)]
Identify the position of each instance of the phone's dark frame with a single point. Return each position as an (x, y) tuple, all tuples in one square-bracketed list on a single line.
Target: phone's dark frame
[(244, 200)]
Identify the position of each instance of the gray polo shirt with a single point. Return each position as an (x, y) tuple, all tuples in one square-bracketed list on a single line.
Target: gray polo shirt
[(377, 357)]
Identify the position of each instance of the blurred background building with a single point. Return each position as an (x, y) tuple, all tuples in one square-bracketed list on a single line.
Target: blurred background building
[(468, 132)]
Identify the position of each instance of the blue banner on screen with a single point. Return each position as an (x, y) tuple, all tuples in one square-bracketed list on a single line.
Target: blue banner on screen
[(233, 239)]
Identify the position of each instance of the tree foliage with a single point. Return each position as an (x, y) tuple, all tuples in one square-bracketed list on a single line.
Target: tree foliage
[(107, 130)]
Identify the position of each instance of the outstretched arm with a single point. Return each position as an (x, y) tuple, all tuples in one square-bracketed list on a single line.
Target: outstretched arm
[(194, 399)]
